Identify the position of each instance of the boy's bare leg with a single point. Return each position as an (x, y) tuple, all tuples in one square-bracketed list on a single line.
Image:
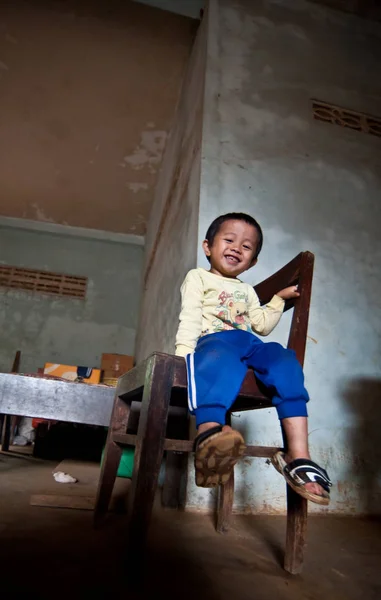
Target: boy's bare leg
[(296, 432)]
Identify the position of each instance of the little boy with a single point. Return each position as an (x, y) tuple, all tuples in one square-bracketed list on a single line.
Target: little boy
[(219, 315)]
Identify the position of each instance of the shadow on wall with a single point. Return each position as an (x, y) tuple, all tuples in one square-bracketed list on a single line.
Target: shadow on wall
[(363, 398)]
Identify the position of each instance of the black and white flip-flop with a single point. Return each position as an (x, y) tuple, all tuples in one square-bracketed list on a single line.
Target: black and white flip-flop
[(301, 471)]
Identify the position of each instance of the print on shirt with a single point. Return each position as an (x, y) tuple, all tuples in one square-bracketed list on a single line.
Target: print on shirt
[(232, 312)]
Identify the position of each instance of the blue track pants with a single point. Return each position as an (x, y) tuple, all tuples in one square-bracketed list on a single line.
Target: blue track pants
[(217, 368)]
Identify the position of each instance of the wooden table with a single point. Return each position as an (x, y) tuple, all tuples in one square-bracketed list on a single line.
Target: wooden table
[(29, 396)]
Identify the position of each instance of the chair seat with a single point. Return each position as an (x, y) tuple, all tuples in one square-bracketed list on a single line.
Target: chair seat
[(250, 396), (243, 403)]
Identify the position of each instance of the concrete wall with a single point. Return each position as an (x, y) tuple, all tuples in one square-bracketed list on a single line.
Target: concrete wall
[(312, 186), (171, 240), (67, 330), (88, 94)]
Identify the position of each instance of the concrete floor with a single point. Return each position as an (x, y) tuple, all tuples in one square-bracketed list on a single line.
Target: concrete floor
[(55, 553)]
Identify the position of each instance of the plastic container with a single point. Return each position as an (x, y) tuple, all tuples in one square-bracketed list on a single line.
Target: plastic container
[(126, 465)]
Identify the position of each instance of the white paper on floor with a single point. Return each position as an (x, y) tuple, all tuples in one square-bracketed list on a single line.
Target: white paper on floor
[(62, 477)]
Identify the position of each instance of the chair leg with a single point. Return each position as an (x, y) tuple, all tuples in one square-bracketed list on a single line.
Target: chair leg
[(175, 468), (225, 498), (296, 528), (176, 463), (149, 451), (225, 505), (296, 532), (111, 460)]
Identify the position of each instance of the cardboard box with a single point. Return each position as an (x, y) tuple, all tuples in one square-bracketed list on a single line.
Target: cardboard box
[(73, 373), (115, 365)]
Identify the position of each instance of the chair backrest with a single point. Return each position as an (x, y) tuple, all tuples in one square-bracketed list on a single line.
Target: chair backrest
[(299, 272)]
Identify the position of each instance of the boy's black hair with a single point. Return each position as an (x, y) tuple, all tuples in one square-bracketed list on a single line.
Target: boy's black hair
[(215, 226)]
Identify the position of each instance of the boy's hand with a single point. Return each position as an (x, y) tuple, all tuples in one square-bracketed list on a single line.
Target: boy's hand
[(289, 292)]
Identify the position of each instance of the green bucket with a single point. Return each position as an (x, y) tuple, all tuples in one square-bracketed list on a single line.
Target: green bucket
[(126, 465)]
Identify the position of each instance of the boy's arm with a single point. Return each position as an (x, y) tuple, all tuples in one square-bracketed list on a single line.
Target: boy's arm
[(190, 325), (264, 318)]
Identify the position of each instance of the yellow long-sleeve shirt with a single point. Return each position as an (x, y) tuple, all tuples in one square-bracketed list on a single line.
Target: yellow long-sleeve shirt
[(211, 303)]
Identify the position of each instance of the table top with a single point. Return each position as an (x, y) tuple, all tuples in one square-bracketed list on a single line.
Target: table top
[(33, 396)]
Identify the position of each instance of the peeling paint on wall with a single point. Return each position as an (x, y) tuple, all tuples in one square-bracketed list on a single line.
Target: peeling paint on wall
[(149, 152), (40, 214), (137, 187)]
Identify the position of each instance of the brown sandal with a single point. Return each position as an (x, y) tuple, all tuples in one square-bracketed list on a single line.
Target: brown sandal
[(216, 453)]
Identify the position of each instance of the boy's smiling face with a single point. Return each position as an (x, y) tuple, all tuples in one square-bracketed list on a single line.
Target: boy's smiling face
[(233, 249)]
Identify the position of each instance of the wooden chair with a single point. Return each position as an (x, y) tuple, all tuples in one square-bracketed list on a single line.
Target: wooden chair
[(160, 384)]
